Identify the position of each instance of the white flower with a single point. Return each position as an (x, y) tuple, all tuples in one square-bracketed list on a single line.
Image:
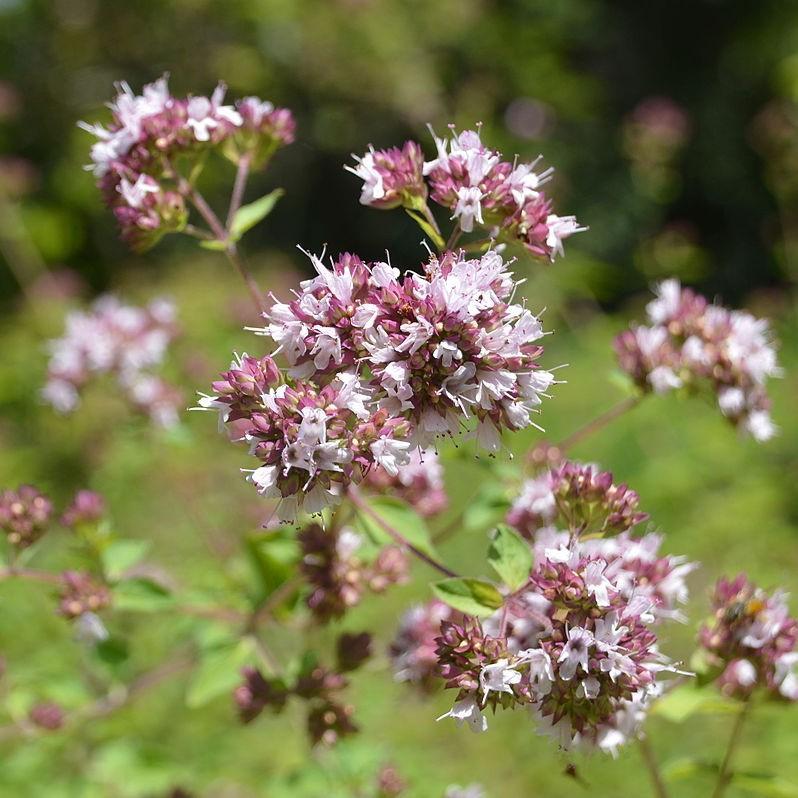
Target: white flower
[(89, 628), (373, 187), (560, 228), (541, 672), (467, 710), (264, 479), (391, 454), (468, 208), (589, 688), (786, 677), (575, 652), (524, 182), (664, 379), (498, 676), (731, 401), (760, 425), (447, 353), (597, 584), (135, 193), (669, 296), (204, 114)]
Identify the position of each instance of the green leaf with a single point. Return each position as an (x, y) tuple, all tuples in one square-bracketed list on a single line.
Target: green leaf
[(113, 651), (219, 671), (488, 505), (274, 555), (471, 596), (428, 229), (679, 704), (401, 517), (510, 556), (119, 556), (141, 595), (214, 244), (247, 216)]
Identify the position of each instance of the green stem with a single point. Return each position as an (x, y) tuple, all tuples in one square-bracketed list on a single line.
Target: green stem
[(650, 761), (222, 235), (725, 773), (598, 423)]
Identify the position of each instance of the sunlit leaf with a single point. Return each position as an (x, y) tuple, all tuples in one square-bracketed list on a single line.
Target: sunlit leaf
[(120, 555), (510, 556), (471, 596), (399, 516), (248, 216), (428, 229)]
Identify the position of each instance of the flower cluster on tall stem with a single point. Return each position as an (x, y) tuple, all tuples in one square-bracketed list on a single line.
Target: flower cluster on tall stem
[(136, 156), (693, 344), (579, 497), (338, 573), (505, 199), (750, 641), (380, 365), (124, 341), (577, 641)]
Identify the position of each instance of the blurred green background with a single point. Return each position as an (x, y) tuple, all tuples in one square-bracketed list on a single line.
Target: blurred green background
[(702, 186)]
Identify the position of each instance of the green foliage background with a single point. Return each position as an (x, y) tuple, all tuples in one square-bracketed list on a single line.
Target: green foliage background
[(360, 71)]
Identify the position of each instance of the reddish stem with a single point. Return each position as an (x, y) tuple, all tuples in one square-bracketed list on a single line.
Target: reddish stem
[(397, 536)]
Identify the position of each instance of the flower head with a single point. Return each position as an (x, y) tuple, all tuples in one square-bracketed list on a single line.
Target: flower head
[(691, 343), (577, 496), (24, 515), (124, 341), (443, 350), (576, 645), (751, 640), (133, 158), (391, 177)]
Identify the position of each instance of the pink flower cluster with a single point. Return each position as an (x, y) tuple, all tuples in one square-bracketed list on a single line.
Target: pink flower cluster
[(475, 184), (134, 157), (392, 177), (575, 644), (579, 497), (338, 572), (87, 507), (24, 515), (693, 344), (312, 442), (413, 651), (441, 349), (121, 340), (750, 641), (320, 687), (380, 365), (82, 594), (419, 482)]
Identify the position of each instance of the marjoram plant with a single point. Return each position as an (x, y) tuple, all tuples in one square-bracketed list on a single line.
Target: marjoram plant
[(360, 379)]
